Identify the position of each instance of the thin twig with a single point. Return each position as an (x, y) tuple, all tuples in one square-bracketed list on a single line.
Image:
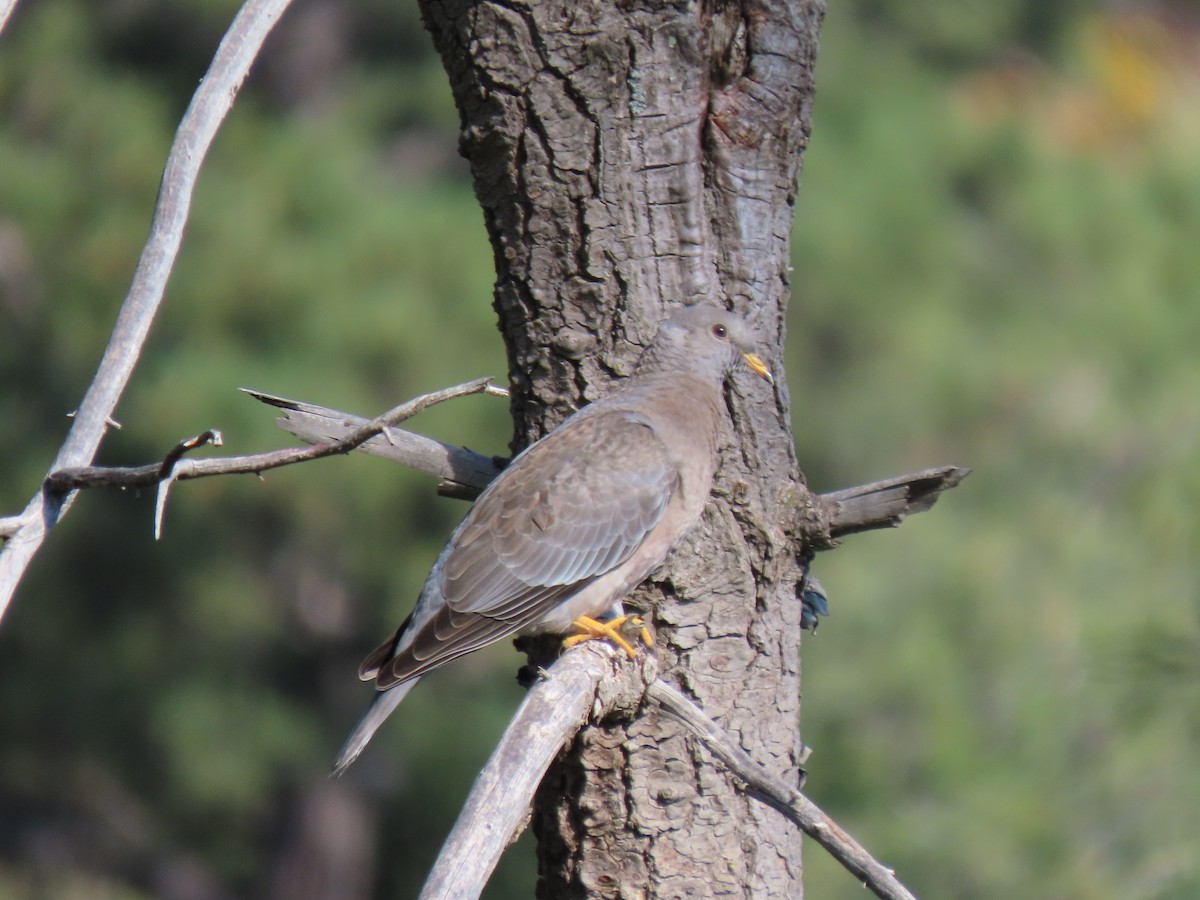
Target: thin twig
[(177, 468), (462, 473), (168, 475), (211, 102), (788, 800)]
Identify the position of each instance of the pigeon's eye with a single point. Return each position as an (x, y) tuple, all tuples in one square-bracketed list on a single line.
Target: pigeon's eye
[(720, 331)]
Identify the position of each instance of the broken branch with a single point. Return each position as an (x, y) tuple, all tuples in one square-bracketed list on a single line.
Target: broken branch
[(462, 472), (885, 504)]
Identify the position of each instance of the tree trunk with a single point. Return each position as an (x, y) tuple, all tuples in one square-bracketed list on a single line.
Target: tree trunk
[(630, 156)]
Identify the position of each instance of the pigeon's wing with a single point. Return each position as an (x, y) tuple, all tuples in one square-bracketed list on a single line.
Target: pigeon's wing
[(573, 507)]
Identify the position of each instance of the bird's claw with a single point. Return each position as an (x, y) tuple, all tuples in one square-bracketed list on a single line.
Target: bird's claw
[(622, 631)]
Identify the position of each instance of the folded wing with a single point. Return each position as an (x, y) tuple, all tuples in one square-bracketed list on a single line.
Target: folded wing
[(572, 508)]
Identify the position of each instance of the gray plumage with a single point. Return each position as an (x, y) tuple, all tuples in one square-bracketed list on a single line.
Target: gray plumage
[(578, 519)]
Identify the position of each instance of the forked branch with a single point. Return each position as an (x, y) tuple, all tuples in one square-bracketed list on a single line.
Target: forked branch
[(588, 684), (358, 431), (175, 468), (580, 687)]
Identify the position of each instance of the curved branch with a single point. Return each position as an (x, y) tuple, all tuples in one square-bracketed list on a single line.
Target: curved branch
[(204, 115)]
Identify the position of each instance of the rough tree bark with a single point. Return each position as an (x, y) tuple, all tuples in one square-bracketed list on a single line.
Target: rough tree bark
[(629, 156)]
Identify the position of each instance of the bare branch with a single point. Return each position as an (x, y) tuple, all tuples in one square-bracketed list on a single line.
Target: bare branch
[(584, 684), (175, 468), (885, 504), (6, 8), (204, 115), (788, 800), (463, 473)]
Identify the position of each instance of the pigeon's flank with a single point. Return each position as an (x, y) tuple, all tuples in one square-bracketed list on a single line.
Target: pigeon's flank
[(580, 518)]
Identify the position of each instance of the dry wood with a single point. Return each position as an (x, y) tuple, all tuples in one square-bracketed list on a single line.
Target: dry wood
[(585, 685), (463, 473), (210, 104), (885, 504)]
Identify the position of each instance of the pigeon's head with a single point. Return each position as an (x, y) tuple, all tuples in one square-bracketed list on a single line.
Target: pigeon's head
[(706, 339)]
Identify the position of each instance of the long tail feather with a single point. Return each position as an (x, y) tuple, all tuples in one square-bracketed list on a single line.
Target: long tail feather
[(381, 707)]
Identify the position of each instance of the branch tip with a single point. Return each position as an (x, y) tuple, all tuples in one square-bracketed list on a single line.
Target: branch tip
[(887, 503)]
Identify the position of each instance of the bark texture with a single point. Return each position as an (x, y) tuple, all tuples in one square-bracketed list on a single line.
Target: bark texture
[(628, 157)]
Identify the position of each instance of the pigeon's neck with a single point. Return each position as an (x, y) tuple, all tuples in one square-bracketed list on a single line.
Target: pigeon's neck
[(687, 404), (697, 386), (656, 365)]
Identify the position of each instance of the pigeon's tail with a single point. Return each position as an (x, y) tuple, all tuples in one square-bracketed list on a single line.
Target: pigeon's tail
[(381, 707)]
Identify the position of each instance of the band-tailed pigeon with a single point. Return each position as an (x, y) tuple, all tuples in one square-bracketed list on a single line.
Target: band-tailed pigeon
[(580, 518)]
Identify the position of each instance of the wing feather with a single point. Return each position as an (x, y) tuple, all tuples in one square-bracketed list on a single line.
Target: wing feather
[(576, 505), (573, 507)]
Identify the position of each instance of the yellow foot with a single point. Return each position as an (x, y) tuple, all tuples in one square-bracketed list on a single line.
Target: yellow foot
[(621, 631)]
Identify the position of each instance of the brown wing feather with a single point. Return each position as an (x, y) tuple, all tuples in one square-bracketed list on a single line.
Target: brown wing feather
[(447, 636), (575, 506), (571, 508)]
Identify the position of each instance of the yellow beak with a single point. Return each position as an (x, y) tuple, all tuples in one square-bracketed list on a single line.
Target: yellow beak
[(758, 367)]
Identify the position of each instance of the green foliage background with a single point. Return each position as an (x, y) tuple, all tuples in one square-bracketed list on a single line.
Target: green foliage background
[(995, 266)]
